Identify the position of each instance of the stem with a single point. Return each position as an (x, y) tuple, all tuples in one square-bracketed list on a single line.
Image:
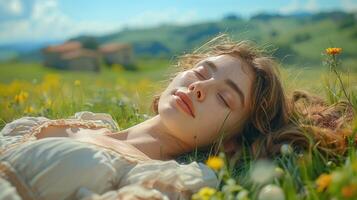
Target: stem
[(342, 86), (340, 80)]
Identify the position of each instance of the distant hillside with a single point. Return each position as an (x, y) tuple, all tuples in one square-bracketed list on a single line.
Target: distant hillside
[(297, 38), (24, 50)]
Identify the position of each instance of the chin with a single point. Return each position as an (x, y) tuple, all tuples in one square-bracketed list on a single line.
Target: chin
[(174, 120)]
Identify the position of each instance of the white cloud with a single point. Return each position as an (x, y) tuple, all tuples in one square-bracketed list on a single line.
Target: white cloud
[(299, 5), (349, 5), (45, 21), (10, 8), (291, 7), (168, 15), (15, 7), (311, 5)]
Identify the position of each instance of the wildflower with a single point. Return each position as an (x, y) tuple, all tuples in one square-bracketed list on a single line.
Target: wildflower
[(333, 51), (354, 166), (77, 83), (48, 103), (50, 82), (242, 195), (323, 181), (349, 190), (286, 149), (231, 181), (271, 192), (215, 162), (278, 172), (29, 110), (205, 193), (262, 171), (21, 97)]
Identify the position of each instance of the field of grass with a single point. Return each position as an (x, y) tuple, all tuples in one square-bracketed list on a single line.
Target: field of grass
[(29, 89)]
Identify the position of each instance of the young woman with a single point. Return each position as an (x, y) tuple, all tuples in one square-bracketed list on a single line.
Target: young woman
[(227, 93)]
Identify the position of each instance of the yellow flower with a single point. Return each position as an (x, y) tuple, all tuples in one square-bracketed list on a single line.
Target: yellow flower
[(349, 190), (21, 97), (323, 181), (354, 166), (48, 103), (77, 82), (50, 82), (215, 162), (29, 110), (205, 193), (333, 51)]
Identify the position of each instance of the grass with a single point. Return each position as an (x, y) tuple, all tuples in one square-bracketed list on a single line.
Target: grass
[(30, 89)]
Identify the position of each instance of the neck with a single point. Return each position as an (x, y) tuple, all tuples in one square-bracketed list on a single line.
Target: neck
[(154, 139)]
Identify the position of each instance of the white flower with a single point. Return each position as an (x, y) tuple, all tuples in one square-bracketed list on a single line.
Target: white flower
[(242, 195), (263, 171), (271, 192), (278, 172), (286, 149)]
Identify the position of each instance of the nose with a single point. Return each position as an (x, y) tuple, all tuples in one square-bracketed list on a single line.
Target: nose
[(198, 90)]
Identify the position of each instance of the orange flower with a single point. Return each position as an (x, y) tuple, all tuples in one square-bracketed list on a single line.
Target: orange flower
[(215, 162), (349, 190), (333, 51), (323, 181)]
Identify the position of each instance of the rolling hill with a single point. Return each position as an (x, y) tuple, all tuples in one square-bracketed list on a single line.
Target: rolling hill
[(299, 38)]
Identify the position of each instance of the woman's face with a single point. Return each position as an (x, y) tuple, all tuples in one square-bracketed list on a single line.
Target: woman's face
[(196, 103)]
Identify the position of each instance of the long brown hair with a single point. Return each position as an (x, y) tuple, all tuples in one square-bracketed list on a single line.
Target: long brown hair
[(275, 119)]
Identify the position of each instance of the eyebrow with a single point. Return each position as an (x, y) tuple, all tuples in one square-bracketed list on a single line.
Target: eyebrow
[(234, 86), (210, 64)]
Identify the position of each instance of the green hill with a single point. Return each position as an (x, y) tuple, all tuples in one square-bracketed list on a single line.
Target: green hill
[(296, 39)]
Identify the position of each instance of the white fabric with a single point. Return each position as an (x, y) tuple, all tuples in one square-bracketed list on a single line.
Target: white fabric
[(63, 168), (98, 117)]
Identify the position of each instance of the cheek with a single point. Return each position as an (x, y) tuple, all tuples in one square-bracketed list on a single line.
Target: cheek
[(209, 125)]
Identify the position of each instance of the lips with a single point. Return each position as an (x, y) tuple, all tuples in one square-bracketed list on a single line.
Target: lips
[(186, 99)]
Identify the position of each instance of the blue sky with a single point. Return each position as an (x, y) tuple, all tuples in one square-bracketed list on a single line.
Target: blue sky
[(39, 20)]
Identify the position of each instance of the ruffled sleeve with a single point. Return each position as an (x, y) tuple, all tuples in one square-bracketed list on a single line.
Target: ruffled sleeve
[(27, 128), (22, 126), (102, 118), (166, 180), (25, 125)]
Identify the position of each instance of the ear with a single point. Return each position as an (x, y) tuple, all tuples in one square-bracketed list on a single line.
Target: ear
[(231, 146)]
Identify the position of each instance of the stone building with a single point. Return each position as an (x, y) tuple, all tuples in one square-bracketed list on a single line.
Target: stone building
[(71, 56), (114, 53)]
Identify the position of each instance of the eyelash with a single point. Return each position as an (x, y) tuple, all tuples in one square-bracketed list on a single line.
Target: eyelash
[(224, 101), (199, 75)]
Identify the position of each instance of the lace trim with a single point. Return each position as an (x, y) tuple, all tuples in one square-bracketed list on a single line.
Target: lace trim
[(68, 123), (34, 131), (8, 173)]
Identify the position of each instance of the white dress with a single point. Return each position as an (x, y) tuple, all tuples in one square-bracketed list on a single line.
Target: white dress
[(64, 168)]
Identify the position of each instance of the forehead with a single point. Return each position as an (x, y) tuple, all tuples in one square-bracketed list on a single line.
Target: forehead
[(230, 67)]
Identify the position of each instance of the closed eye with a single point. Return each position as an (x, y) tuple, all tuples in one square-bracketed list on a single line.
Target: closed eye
[(199, 75), (220, 97)]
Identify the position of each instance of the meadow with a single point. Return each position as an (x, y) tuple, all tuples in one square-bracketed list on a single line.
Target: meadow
[(29, 89)]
